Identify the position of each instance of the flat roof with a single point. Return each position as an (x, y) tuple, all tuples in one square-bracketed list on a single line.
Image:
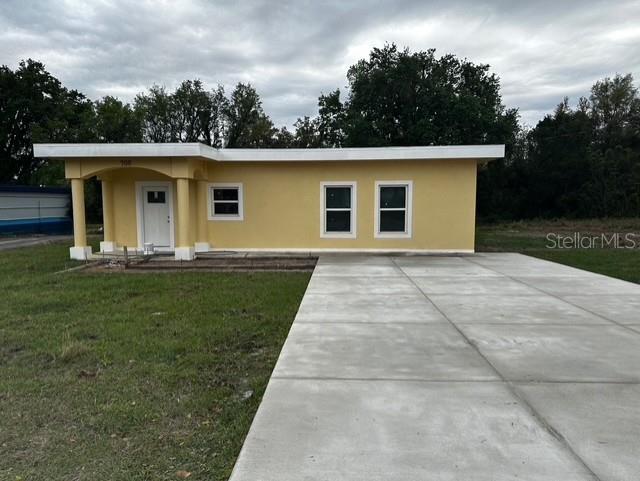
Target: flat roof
[(198, 150)]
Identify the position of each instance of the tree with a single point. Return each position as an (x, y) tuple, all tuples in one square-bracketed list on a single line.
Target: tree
[(615, 110), (307, 134), (248, 125), (331, 118), (35, 107), (557, 163), (582, 162), (117, 122), (190, 112), (155, 108), (218, 121), (398, 97)]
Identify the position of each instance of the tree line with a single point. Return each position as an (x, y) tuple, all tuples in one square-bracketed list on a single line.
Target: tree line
[(581, 161)]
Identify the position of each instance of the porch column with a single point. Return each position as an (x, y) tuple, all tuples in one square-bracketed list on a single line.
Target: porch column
[(184, 249), (108, 244), (202, 238), (80, 250)]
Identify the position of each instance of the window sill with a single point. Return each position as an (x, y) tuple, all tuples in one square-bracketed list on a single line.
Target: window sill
[(225, 218), (392, 235), (338, 235)]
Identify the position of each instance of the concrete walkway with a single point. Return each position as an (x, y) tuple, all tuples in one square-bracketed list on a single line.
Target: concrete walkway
[(487, 367)]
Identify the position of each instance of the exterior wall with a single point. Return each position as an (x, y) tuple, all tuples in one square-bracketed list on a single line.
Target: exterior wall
[(282, 204), (124, 202)]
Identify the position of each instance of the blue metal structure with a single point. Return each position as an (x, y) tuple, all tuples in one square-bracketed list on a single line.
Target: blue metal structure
[(35, 210)]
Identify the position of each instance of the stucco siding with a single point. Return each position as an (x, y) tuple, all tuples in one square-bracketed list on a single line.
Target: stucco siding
[(282, 204), (124, 202)]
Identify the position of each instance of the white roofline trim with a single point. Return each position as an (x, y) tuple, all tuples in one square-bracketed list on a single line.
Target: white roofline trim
[(68, 151)]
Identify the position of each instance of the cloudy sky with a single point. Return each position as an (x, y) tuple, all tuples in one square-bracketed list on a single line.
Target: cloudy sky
[(294, 50)]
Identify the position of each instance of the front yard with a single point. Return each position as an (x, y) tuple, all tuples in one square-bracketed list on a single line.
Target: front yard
[(132, 376), (157, 376)]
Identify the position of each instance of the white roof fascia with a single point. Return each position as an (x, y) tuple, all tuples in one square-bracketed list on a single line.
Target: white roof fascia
[(67, 151)]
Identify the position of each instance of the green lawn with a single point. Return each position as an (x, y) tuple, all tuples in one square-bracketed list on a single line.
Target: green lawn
[(132, 376), (530, 238)]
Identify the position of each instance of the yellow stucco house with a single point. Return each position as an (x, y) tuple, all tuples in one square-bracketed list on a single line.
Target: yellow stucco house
[(188, 198)]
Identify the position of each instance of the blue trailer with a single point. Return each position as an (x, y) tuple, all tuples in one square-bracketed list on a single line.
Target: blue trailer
[(35, 210)]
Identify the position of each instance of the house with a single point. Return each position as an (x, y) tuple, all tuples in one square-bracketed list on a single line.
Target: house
[(188, 198), (27, 209)]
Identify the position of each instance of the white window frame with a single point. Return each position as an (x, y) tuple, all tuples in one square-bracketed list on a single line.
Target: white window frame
[(225, 217), (352, 234), (408, 208)]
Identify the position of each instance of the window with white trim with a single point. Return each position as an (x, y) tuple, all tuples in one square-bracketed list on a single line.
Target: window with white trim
[(338, 209), (225, 202), (393, 209)]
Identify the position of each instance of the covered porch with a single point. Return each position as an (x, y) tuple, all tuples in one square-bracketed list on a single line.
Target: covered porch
[(157, 203)]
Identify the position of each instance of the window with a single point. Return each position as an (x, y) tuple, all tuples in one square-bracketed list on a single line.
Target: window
[(225, 202), (338, 209), (156, 197), (393, 209)]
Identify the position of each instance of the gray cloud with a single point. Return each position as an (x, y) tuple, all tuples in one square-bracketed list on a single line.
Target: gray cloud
[(294, 50)]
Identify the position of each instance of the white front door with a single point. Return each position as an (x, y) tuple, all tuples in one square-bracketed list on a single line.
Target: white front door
[(156, 214)]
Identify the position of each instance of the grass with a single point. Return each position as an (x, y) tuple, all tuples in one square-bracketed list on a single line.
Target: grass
[(154, 376), (531, 238), (132, 376)]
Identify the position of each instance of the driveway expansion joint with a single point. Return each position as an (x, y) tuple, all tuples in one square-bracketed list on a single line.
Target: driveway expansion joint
[(402, 383), (562, 299), (525, 403)]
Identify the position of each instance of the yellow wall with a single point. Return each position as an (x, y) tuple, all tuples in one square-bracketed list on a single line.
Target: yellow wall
[(282, 204), (124, 202)]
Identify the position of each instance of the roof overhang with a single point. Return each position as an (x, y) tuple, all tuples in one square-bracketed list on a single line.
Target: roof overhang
[(202, 151)]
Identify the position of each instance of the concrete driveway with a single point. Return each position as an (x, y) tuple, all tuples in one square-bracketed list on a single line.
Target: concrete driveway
[(486, 367)]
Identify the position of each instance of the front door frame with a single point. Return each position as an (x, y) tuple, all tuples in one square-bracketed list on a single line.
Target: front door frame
[(139, 207)]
